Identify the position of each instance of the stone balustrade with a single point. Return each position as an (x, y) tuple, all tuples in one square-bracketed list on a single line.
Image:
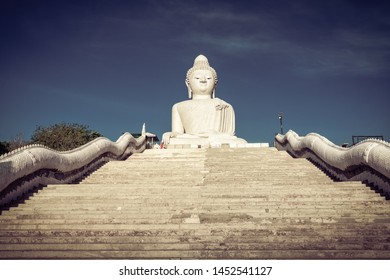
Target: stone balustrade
[(367, 161), (34, 165)]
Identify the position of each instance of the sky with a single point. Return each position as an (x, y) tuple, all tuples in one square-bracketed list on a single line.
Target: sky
[(114, 65)]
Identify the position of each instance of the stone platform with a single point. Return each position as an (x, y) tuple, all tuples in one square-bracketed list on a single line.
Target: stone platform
[(252, 203), (188, 143)]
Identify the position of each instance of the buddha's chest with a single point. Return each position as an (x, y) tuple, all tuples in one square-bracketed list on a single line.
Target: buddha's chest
[(199, 116)]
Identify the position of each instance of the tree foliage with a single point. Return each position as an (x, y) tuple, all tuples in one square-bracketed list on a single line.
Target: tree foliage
[(4, 147), (64, 136), (16, 142)]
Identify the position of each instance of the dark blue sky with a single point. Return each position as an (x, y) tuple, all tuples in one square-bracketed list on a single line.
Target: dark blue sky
[(114, 65)]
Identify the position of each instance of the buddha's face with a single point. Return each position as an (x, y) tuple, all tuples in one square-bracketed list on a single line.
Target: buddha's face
[(202, 82)]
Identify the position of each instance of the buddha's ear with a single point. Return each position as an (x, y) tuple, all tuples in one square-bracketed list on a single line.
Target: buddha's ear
[(189, 89), (213, 94)]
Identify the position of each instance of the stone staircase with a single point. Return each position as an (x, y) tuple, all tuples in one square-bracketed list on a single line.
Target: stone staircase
[(252, 203)]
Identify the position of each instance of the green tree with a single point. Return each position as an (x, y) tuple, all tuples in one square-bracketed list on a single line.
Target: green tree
[(63, 136), (4, 148)]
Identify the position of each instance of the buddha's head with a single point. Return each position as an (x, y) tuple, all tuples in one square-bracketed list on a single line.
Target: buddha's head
[(201, 79)]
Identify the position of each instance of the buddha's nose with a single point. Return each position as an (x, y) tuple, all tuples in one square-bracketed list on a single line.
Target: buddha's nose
[(203, 79)]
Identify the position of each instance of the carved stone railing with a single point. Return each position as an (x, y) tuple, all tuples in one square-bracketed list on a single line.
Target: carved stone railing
[(35, 165), (367, 161)]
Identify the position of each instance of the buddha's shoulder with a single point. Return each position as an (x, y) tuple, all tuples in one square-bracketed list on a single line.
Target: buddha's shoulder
[(181, 104), (185, 102)]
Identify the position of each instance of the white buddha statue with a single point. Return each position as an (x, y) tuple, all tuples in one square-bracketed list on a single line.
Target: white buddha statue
[(204, 120)]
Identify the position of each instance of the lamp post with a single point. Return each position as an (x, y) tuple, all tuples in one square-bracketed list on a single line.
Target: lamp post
[(280, 117)]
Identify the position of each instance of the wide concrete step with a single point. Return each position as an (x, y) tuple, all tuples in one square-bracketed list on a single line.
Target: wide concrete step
[(201, 254), (236, 246), (232, 191), (205, 197), (207, 215), (325, 215), (102, 237), (206, 203), (181, 193), (179, 219), (267, 188), (226, 232), (269, 185), (188, 200), (218, 228)]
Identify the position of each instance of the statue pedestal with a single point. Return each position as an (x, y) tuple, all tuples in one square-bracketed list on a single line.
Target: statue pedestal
[(187, 143)]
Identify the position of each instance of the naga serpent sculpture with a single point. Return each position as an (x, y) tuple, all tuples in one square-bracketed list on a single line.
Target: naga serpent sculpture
[(28, 167), (367, 161)]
